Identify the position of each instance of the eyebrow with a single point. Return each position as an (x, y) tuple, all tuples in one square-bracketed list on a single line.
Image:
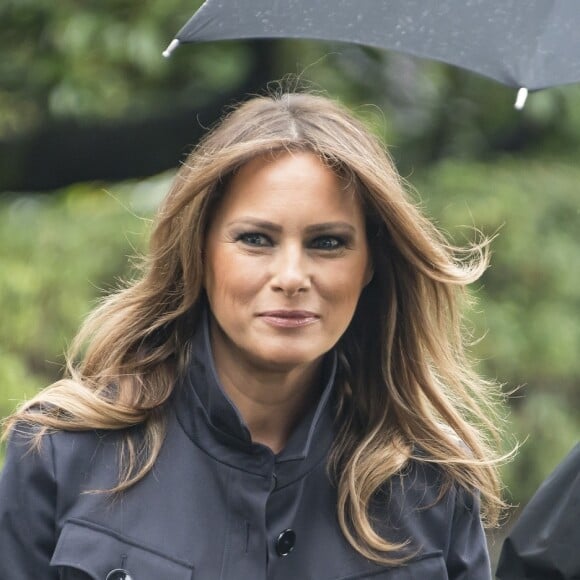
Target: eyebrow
[(258, 223), (331, 226), (312, 229)]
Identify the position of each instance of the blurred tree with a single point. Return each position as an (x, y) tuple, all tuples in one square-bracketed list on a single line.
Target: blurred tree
[(526, 324), (530, 295), (85, 93), (59, 255)]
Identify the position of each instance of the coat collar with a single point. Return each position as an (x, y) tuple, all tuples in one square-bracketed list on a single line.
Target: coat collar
[(213, 423)]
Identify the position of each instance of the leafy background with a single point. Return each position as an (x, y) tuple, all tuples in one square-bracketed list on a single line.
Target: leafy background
[(93, 122)]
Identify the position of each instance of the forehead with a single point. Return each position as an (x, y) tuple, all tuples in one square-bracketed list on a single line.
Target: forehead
[(289, 184)]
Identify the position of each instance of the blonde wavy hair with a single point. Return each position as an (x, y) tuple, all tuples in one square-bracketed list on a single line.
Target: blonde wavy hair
[(406, 387)]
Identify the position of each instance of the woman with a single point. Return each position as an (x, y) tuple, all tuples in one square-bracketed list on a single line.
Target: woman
[(283, 394)]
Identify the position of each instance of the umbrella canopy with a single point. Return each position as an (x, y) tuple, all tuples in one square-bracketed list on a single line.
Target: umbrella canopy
[(533, 44)]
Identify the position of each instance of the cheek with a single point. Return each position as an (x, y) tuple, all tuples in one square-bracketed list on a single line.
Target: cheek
[(343, 287), (227, 281)]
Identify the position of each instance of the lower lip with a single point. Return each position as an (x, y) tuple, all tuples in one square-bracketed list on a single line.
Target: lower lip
[(285, 322)]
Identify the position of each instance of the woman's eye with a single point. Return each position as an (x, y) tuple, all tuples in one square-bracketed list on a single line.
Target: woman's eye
[(328, 243), (254, 239)]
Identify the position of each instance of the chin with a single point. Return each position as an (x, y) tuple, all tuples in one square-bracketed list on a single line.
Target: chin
[(286, 359)]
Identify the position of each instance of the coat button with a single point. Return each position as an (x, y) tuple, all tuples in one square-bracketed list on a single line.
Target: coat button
[(285, 542), (118, 574)]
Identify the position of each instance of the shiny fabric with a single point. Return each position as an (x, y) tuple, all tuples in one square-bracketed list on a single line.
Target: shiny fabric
[(531, 44), (216, 505), (544, 543)]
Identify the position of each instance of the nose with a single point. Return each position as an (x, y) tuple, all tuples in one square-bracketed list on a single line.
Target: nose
[(290, 271)]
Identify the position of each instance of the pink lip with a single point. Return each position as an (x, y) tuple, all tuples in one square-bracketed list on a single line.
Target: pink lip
[(289, 318)]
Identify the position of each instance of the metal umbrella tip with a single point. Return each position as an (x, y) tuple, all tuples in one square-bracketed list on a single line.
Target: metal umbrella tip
[(172, 46), (521, 99)]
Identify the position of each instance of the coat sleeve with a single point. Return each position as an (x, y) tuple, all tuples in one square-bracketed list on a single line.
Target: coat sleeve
[(467, 556), (545, 541), (27, 510)]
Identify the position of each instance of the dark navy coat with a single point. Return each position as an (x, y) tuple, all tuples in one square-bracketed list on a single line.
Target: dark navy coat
[(217, 506), (545, 541)]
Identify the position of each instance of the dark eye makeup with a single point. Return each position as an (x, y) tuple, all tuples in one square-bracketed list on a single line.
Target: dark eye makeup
[(326, 243), (254, 239)]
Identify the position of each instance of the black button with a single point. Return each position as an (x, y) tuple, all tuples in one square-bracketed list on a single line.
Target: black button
[(285, 542), (118, 574)]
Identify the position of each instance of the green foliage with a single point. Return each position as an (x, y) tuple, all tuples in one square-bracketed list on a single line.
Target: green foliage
[(548, 426), (530, 295), (103, 61), (59, 254), (529, 299)]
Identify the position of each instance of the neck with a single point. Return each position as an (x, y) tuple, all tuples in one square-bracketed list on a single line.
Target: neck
[(271, 402)]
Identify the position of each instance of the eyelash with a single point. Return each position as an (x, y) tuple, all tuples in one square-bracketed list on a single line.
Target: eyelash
[(245, 238), (337, 242)]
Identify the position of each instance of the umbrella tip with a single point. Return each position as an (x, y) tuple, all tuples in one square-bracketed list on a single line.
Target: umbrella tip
[(172, 46), (521, 99)]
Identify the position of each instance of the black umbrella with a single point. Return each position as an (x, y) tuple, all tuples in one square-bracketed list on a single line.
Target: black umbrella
[(545, 541), (527, 44)]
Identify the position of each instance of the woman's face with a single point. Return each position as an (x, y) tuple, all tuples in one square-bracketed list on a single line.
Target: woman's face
[(287, 259)]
